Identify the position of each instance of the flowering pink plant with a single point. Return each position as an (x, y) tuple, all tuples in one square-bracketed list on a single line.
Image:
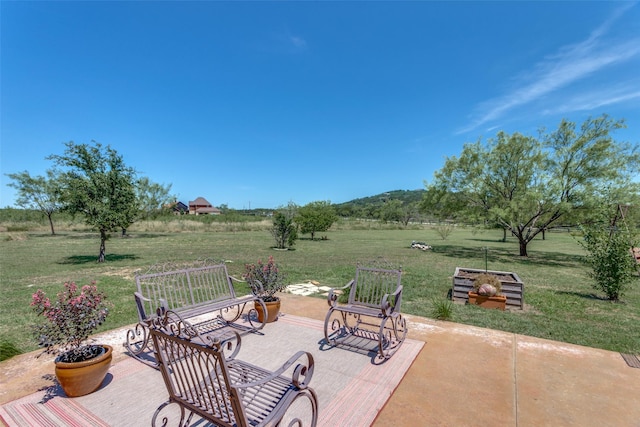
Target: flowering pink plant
[(69, 320), (265, 279)]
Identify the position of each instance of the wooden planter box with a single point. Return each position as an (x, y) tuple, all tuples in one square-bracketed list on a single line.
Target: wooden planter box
[(497, 302), (512, 286)]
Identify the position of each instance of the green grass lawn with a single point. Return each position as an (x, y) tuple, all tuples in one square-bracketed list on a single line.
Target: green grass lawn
[(560, 303)]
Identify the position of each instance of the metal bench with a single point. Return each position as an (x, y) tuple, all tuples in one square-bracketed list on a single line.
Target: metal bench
[(225, 391), (203, 295), (372, 312)]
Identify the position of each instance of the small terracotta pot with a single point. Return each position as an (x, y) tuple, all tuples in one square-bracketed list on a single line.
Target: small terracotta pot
[(497, 302), (80, 378), (273, 309)]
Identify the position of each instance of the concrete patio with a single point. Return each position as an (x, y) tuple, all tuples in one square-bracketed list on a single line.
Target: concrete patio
[(464, 376)]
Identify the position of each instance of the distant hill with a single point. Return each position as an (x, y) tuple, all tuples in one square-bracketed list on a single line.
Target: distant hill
[(372, 204), (406, 196)]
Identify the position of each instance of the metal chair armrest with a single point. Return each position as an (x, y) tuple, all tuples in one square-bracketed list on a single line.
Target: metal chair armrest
[(140, 300), (332, 297), (385, 305), (300, 378)]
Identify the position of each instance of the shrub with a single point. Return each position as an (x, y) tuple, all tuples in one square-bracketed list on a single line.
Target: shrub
[(443, 230), (284, 231), (610, 260), (69, 320), (265, 279), (442, 309)]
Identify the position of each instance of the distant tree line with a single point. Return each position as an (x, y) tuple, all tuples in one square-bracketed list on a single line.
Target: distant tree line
[(521, 184), (401, 206)]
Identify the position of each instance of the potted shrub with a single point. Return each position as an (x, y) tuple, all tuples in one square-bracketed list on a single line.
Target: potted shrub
[(486, 292), (265, 279), (67, 323)]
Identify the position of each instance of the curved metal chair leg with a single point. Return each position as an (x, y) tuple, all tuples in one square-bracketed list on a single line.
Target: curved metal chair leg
[(400, 329), (384, 337), (164, 421), (138, 342), (336, 328), (230, 314), (290, 420), (253, 314), (391, 338)]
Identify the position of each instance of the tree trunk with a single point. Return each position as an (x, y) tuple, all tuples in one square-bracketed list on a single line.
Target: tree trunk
[(504, 234), (313, 233), (53, 232), (103, 239), (523, 247)]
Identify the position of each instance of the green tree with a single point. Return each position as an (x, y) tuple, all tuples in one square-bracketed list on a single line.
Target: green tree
[(96, 183), (525, 185), (152, 197), (38, 193), (316, 217), (410, 211), (284, 230), (608, 246), (346, 210), (391, 211)]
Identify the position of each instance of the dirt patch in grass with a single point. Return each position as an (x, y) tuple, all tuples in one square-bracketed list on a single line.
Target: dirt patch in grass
[(125, 273)]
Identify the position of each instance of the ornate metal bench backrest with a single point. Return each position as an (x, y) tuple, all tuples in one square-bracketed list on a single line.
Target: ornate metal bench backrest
[(188, 287), (372, 284)]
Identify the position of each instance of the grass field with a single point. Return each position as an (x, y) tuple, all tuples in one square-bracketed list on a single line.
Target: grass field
[(560, 303)]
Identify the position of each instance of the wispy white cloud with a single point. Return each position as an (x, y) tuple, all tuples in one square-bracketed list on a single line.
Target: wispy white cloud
[(298, 42), (571, 64), (596, 99), (283, 42), (290, 43)]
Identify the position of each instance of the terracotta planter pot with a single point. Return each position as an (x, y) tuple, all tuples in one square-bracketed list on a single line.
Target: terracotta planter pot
[(80, 378), (497, 302), (273, 309)]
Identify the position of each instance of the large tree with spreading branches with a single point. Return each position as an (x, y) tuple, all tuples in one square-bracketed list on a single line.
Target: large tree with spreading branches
[(96, 183), (525, 184)]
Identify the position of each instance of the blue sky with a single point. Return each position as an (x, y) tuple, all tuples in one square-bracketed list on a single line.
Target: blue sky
[(255, 104)]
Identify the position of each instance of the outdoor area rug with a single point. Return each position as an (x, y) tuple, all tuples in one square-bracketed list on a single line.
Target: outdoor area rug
[(351, 388)]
